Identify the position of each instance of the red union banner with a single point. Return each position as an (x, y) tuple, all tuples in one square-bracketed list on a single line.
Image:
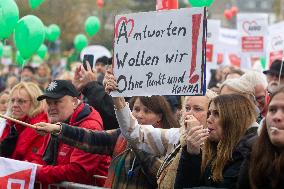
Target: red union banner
[(252, 44), (16, 174)]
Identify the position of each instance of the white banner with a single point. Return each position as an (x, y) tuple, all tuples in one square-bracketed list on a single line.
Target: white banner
[(16, 174), (275, 43), (253, 29), (213, 30), (160, 53), (228, 47)]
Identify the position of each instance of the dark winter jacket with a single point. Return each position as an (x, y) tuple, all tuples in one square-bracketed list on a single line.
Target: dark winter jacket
[(189, 170), (102, 102)]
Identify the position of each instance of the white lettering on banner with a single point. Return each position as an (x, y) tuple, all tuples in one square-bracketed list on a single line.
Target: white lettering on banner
[(160, 53), (13, 182)]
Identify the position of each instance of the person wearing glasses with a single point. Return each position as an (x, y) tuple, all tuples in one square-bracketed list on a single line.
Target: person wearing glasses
[(245, 87), (258, 81), (17, 141)]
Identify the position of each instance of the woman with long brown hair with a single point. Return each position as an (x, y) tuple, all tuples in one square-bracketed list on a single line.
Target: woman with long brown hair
[(213, 156), (266, 166)]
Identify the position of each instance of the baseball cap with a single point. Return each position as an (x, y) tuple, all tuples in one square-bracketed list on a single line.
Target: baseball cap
[(58, 89)]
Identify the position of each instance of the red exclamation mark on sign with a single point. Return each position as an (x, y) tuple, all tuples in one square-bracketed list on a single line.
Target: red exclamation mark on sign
[(196, 20)]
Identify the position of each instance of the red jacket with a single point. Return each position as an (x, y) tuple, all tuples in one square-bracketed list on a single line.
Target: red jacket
[(28, 142), (72, 164)]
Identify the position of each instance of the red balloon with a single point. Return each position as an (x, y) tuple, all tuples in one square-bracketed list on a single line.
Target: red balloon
[(234, 10), (100, 3), (228, 14), (172, 4)]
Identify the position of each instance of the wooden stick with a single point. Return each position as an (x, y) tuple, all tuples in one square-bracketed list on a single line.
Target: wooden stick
[(18, 121)]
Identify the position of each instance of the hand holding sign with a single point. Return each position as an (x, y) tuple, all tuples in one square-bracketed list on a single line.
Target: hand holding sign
[(110, 82)]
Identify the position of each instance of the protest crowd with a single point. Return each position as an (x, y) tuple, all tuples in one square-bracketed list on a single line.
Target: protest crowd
[(75, 124)]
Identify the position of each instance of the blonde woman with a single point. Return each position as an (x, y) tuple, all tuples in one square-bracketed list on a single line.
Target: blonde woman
[(20, 142)]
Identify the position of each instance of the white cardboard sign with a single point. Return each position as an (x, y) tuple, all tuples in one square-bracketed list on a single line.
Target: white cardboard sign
[(253, 31), (160, 53), (275, 43)]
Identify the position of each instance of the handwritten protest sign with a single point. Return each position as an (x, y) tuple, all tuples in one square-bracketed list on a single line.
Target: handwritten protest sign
[(160, 53)]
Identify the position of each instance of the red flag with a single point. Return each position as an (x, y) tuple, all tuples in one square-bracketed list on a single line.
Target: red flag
[(16, 174)]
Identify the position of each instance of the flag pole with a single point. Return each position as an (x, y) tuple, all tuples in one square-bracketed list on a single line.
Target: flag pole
[(18, 121)]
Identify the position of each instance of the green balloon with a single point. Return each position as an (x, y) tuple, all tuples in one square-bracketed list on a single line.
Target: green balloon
[(41, 52), (80, 42), (200, 3), (92, 25), (19, 60), (29, 35), (35, 3), (53, 32), (1, 49), (9, 16), (263, 62)]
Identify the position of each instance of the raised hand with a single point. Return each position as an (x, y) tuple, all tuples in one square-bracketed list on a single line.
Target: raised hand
[(82, 77), (109, 82), (110, 85), (195, 135)]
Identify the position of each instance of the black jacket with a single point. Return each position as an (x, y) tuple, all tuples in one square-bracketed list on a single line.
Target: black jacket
[(189, 169), (244, 181), (102, 102)]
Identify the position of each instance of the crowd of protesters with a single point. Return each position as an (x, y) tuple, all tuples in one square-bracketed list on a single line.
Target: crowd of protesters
[(233, 137)]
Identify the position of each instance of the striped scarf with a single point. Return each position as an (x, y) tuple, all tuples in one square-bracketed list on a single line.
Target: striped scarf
[(117, 162)]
